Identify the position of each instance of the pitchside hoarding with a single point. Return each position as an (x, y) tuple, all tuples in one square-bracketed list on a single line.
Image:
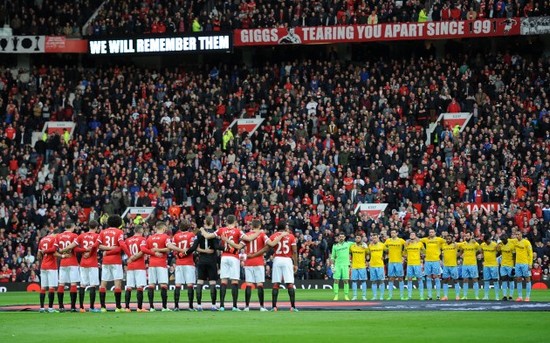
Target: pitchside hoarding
[(155, 44)]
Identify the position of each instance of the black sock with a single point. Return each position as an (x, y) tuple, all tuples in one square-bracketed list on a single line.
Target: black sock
[(42, 299), (247, 295), (140, 298), (127, 297), (235, 293), (81, 294), (102, 295), (164, 296), (274, 294), (60, 296), (51, 299), (213, 294), (261, 295), (73, 299), (177, 292), (190, 295), (223, 289), (118, 298), (151, 296), (92, 297), (199, 294), (292, 296)]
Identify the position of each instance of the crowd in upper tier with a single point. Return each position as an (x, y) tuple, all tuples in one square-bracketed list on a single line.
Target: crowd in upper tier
[(31, 17), (334, 134)]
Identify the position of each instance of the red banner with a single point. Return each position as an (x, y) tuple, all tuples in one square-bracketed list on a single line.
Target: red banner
[(60, 44), (379, 32)]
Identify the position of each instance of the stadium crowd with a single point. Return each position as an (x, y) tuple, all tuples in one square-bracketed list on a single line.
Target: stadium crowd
[(147, 17), (335, 134), (31, 17), (47, 17)]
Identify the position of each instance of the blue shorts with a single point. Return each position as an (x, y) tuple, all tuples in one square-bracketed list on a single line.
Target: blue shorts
[(359, 274), (522, 270), (414, 271), (450, 273), (490, 273), (377, 274), (469, 272), (506, 271), (432, 268), (395, 269)]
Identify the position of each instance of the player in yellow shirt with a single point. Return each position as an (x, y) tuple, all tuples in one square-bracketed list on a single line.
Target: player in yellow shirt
[(376, 266), (450, 269), (395, 263), (469, 249), (490, 266), (507, 248), (413, 250), (524, 263), (359, 267), (432, 264)]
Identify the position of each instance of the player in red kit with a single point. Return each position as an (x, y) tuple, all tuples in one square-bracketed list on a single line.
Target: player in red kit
[(185, 264), (47, 249), (68, 270), (136, 275), (230, 267), (285, 264), (254, 265), (157, 248), (111, 242), (89, 272)]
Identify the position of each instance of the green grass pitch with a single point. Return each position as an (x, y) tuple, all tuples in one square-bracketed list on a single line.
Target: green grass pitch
[(255, 326)]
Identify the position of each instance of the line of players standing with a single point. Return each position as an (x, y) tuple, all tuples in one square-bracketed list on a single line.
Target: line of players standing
[(440, 255), (186, 244)]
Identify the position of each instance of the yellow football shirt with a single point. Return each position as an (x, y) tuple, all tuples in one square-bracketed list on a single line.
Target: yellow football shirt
[(470, 251), (358, 256), (450, 252), (489, 254), (377, 254), (413, 251), (524, 252), (507, 251), (395, 249), (433, 248)]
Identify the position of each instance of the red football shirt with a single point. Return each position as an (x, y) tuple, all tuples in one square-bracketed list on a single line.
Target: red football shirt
[(88, 240), (159, 241), (253, 247), (48, 244), (134, 244), (284, 247), (234, 234), (184, 240), (111, 237), (64, 240)]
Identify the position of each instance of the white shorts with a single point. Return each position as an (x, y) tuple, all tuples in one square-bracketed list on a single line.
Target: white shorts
[(230, 268), (111, 272), (158, 275), (89, 276), (136, 278), (48, 278), (282, 270), (254, 274), (185, 275), (69, 274)]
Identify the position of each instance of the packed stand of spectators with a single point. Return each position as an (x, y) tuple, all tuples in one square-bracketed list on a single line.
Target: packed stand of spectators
[(151, 17), (47, 17), (147, 17), (335, 134)]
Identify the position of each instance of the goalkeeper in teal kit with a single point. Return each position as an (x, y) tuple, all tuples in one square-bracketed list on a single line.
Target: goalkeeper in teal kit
[(340, 262)]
